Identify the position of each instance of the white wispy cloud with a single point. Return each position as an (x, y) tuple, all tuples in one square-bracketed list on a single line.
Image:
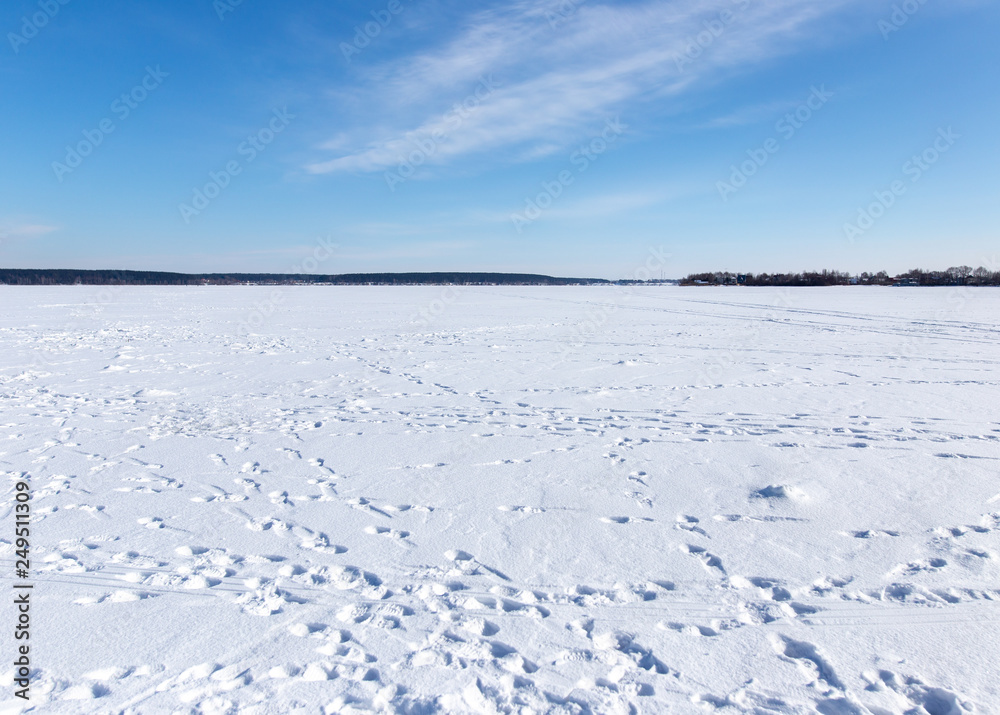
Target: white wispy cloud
[(528, 86), (752, 114), (25, 230), (605, 205)]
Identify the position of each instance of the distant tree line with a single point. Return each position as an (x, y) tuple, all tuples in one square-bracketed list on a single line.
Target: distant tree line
[(955, 276), (19, 276)]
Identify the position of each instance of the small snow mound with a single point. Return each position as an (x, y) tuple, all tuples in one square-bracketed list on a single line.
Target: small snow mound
[(85, 692), (196, 582), (779, 491), (110, 673), (190, 550), (197, 672), (740, 582), (316, 672), (612, 640), (282, 672)]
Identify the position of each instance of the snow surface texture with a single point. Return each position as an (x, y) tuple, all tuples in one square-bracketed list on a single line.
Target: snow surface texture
[(563, 500)]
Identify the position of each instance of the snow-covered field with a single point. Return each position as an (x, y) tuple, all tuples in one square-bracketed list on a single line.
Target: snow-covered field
[(527, 500)]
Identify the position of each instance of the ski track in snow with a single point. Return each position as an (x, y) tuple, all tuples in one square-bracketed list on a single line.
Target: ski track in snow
[(708, 501)]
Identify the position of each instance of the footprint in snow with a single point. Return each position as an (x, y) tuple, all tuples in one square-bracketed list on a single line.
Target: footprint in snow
[(640, 499), (710, 560), (915, 567), (122, 596), (219, 496), (688, 629), (625, 519), (808, 658), (387, 532), (779, 491), (468, 563), (522, 509), (761, 519), (690, 523), (401, 508), (919, 696), (873, 533)]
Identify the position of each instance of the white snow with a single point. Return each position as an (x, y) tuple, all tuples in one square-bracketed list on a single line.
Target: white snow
[(561, 500)]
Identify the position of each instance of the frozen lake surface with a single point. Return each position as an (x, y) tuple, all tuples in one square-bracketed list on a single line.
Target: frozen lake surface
[(572, 500)]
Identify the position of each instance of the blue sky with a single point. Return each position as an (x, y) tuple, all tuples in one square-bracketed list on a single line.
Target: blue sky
[(568, 138)]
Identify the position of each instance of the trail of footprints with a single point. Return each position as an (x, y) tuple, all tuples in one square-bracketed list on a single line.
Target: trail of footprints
[(207, 574), (471, 616), (469, 636)]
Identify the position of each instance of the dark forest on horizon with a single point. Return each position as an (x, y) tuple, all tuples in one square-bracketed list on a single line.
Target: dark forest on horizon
[(27, 276), (955, 276)]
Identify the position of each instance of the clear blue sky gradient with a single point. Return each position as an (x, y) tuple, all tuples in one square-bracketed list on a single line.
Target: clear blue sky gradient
[(300, 132)]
